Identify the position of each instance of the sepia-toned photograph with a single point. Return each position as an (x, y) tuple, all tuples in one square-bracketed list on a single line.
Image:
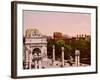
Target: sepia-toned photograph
[(56, 39)]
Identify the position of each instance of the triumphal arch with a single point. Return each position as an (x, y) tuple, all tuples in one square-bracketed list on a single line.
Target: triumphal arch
[(35, 49)]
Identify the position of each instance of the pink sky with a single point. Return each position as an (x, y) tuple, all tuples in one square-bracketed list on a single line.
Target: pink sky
[(66, 23)]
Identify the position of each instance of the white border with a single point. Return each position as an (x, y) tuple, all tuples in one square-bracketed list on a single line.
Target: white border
[(21, 72)]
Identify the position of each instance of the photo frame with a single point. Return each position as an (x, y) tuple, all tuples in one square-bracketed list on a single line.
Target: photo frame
[(51, 39)]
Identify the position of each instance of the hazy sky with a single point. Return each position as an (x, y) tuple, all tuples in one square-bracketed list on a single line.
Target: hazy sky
[(66, 23)]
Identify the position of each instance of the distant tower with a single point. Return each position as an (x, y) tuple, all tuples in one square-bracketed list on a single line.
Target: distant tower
[(57, 35)]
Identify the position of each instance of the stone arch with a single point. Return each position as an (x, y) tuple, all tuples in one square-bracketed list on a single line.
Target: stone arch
[(36, 50), (36, 43)]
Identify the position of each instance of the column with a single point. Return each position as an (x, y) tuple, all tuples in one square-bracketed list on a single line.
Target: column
[(76, 64), (77, 57), (62, 48), (40, 65), (27, 59), (30, 60), (35, 62), (53, 54), (78, 60)]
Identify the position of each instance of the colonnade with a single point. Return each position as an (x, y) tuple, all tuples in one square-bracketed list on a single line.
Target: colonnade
[(77, 56), (36, 59), (33, 60)]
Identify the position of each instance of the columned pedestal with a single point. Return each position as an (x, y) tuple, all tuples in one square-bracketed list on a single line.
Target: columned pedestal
[(53, 54), (77, 58), (62, 48)]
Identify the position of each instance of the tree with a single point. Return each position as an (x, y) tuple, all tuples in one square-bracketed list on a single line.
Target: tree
[(67, 48), (50, 44), (61, 43), (84, 47)]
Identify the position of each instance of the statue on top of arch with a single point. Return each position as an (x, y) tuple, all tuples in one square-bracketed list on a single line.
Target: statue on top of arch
[(30, 32)]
